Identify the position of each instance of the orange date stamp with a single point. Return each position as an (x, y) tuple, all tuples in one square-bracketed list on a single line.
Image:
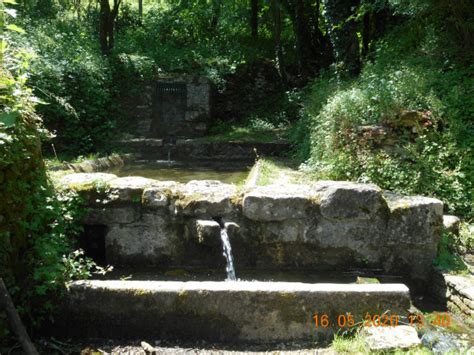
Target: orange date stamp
[(323, 320)]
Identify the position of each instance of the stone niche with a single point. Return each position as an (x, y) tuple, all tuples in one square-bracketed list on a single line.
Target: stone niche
[(180, 107)]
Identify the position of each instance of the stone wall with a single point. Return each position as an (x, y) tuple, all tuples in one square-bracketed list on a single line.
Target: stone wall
[(456, 291), (172, 105), (326, 225), (197, 149)]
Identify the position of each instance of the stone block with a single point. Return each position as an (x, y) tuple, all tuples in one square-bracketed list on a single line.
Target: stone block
[(206, 198), (245, 312), (160, 194), (86, 181), (128, 189), (451, 224), (349, 200), (391, 338), (206, 232), (140, 244), (111, 215), (277, 202)]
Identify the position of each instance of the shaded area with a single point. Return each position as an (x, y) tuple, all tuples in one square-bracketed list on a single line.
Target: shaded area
[(247, 274)]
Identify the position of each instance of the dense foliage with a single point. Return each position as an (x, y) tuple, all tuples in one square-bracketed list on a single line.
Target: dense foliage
[(36, 222), (377, 91), (405, 123)]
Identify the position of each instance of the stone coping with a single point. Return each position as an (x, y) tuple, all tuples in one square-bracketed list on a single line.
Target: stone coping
[(228, 312), (244, 286)]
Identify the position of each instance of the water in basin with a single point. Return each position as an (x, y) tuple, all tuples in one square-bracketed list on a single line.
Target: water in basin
[(185, 172)]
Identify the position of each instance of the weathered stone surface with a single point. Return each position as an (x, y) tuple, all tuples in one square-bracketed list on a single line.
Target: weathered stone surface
[(86, 181), (260, 312), (460, 292), (185, 112), (277, 202), (206, 232), (413, 232), (287, 231), (457, 291), (451, 224), (111, 215), (155, 242), (325, 225), (197, 150), (463, 285), (208, 198), (160, 194), (128, 189), (348, 200), (391, 338)]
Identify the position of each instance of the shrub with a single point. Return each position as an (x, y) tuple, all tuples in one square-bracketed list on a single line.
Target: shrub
[(433, 157), (36, 222), (74, 83)]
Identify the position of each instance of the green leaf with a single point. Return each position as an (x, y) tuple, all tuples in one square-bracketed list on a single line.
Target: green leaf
[(15, 28), (9, 2), (8, 118)]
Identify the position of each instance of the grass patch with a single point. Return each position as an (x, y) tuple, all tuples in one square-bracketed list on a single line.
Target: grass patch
[(276, 171), (248, 134), (60, 160), (354, 343), (349, 344)]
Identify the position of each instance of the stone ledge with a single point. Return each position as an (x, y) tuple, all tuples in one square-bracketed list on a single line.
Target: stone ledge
[(262, 312), (277, 203)]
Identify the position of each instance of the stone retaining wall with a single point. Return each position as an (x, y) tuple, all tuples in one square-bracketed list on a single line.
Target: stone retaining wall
[(326, 225), (456, 291), (191, 150)]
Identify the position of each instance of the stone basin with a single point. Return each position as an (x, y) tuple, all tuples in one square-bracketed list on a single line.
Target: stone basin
[(245, 312)]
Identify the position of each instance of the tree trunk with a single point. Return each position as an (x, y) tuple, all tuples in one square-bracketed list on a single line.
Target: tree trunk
[(303, 37), (366, 33), (103, 26), (14, 321), (343, 34), (107, 25), (140, 8), (254, 18), (216, 13), (276, 6)]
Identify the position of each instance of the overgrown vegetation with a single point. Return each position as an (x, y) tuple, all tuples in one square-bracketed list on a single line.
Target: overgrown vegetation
[(36, 222), (405, 123), (378, 91)]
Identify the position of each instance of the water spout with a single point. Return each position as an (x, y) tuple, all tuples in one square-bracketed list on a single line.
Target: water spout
[(169, 142), (227, 252)]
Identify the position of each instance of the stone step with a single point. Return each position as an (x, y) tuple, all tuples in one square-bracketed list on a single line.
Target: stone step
[(231, 312)]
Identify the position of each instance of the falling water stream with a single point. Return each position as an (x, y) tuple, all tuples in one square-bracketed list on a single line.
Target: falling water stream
[(227, 252)]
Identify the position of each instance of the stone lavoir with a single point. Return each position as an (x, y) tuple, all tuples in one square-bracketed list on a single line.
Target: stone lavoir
[(213, 261), (173, 229)]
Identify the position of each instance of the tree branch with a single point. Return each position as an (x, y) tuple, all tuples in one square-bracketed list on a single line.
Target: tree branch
[(15, 321)]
